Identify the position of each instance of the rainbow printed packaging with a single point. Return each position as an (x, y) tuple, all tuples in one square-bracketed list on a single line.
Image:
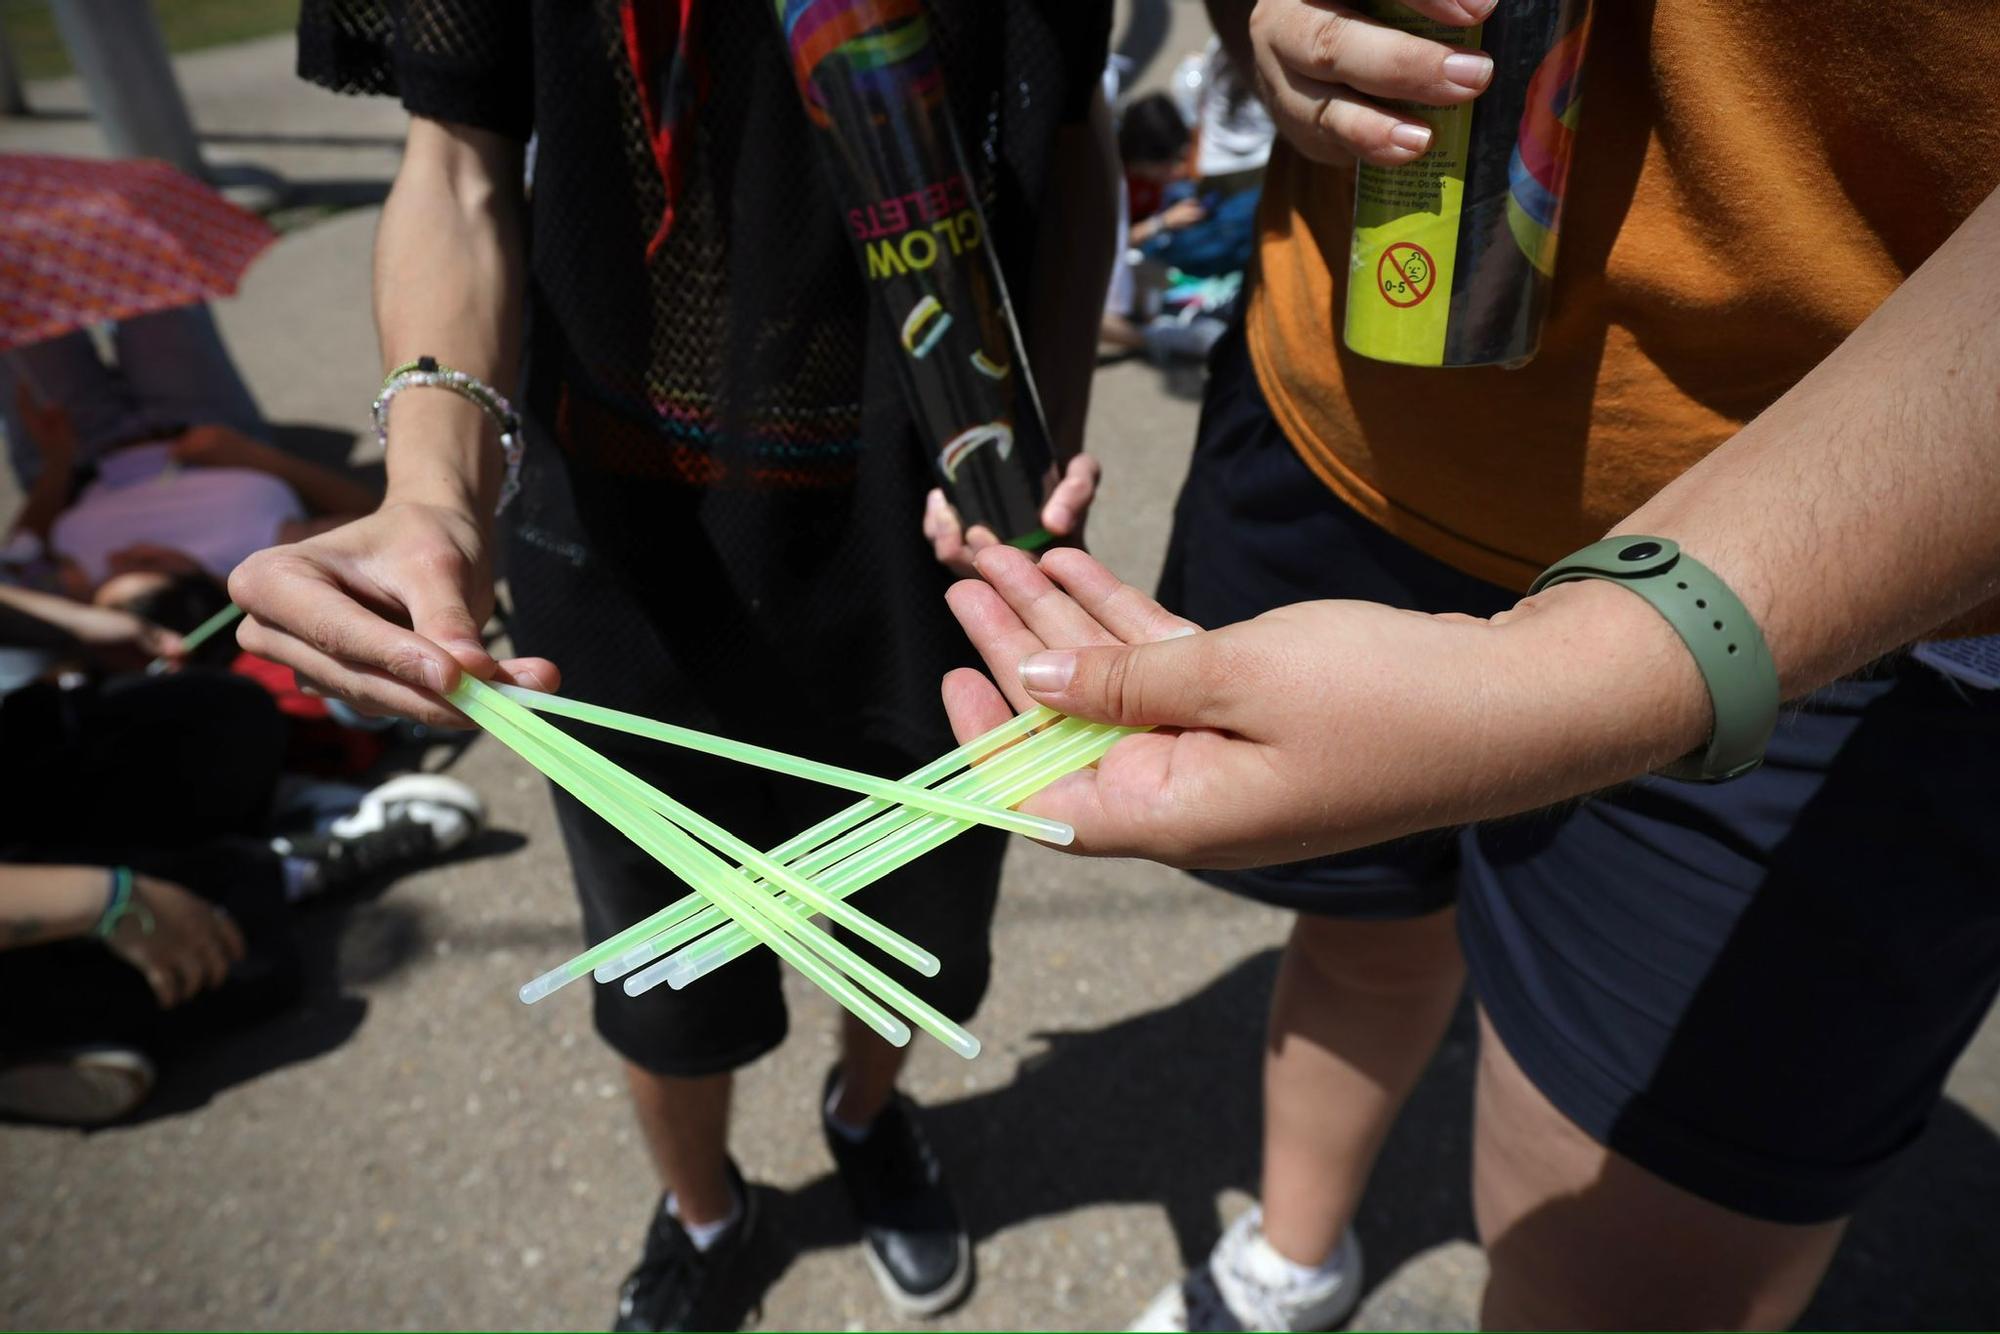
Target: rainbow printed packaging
[(871, 82), (1453, 254)]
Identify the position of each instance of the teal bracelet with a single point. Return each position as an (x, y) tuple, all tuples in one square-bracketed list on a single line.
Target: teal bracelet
[(117, 901), (1718, 630)]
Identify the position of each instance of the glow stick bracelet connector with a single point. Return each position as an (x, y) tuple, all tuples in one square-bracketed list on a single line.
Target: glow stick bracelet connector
[(980, 781), (1087, 744), (972, 751), (699, 826), (909, 794), (681, 855)]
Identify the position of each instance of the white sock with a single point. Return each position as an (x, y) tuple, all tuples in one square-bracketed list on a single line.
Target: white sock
[(852, 1134), (705, 1235), (1294, 1274)]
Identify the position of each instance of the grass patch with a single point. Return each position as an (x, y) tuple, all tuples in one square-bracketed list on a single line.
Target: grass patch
[(187, 25)]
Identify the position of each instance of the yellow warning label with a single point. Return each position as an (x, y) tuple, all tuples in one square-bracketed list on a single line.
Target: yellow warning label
[(1406, 228)]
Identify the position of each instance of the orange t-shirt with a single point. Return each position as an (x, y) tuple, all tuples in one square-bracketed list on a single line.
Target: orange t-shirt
[(1750, 182)]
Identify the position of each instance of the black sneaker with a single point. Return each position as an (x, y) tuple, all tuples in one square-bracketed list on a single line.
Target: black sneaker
[(914, 1241), (675, 1285)]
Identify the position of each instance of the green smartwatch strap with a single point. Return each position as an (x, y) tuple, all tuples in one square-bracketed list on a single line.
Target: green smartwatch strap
[(1717, 629)]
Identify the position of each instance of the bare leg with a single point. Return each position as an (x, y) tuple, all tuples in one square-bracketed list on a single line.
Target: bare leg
[(1358, 1010), (1581, 1238), (868, 1071), (686, 1125)]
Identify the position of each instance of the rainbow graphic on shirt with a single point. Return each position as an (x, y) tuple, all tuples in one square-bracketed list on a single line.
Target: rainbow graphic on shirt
[(884, 47), (1539, 168)]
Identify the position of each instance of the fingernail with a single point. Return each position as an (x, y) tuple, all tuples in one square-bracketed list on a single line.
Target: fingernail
[(1477, 9), (1468, 70), (1182, 633), (433, 675), (1048, 673), (1412, 138)]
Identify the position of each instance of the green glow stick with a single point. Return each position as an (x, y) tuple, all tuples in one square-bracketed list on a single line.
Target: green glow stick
[(979, 781), (1084, 745), (682, 856), (909, 794), (198, 636), (726, 944), (889, 942), (757, 914), (977, 748)]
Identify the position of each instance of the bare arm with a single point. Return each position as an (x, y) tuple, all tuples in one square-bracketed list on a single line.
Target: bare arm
[(107, 632), (1863, 508), (1860, 511), (41, 904), (448, 283), (449, 270), (181, 944)]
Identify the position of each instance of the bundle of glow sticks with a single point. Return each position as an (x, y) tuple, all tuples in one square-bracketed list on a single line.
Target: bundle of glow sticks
[(744, 898)]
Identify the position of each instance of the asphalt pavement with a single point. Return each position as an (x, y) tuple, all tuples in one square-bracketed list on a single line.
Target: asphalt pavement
[(415, 1148)]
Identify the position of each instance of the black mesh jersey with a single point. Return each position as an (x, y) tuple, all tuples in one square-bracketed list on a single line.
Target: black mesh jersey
[(737, 380)]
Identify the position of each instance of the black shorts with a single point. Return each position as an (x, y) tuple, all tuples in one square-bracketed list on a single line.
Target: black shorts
[(668, 638), (1754, 990)]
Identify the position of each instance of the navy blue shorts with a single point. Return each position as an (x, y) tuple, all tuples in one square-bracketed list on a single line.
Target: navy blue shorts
[(1753, 990)]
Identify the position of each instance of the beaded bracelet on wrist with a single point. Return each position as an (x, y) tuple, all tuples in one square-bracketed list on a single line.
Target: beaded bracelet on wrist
[(428, 373)]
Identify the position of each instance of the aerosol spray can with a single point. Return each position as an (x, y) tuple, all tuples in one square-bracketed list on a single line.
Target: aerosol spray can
[(872, 83), (1453, 254)]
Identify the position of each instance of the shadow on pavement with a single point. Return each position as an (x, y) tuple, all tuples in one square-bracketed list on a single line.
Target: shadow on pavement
[(1920, 1253), (351, 940), (1161, 1108), (328, 446)]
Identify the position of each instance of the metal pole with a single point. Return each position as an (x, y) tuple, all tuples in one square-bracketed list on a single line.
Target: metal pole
[(13, 97), (118, 51)]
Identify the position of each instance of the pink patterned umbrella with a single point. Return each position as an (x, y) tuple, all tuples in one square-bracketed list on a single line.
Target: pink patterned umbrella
[(83, 241)]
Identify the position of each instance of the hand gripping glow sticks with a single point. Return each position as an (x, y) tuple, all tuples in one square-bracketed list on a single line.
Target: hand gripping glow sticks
[(1082, 744), (645, 795), (833, 826), (768, 898), (979, 782), (679, 854), (600, 784), (909, 794)]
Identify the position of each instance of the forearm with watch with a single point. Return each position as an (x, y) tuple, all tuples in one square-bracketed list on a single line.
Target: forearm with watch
[(1859, 512)]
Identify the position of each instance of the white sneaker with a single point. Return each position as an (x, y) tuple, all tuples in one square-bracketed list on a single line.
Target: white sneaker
[(407, 821), (1245, 1285), (452, 811), (91, 1086)]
